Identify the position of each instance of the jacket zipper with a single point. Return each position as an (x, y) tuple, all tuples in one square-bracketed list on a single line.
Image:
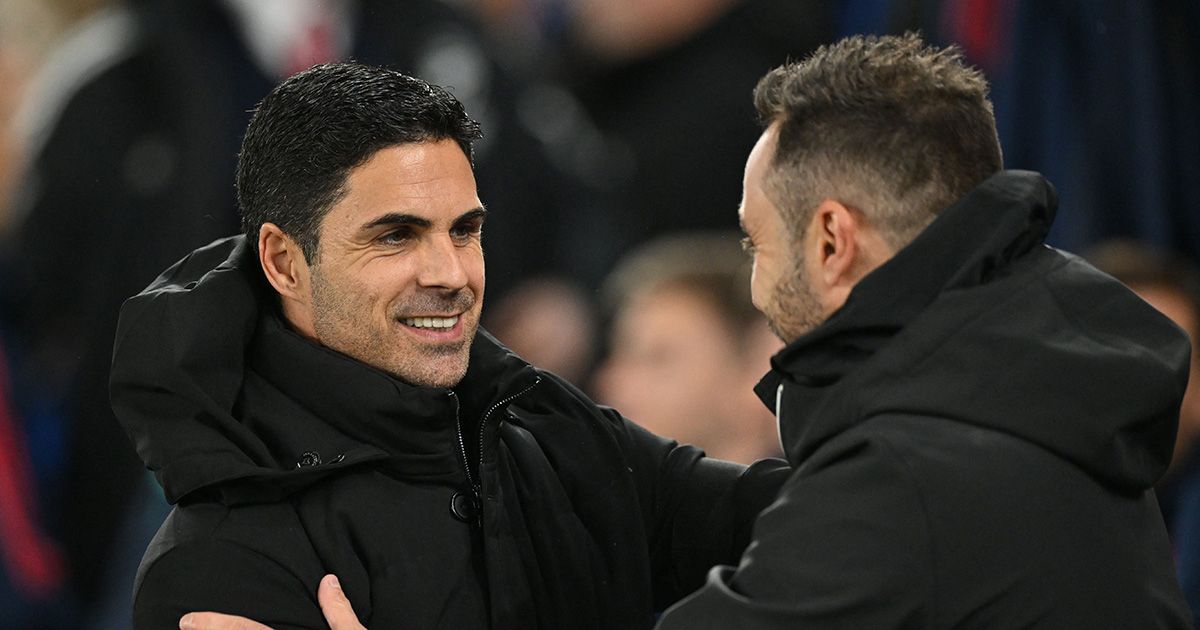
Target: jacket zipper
[(462, 445)]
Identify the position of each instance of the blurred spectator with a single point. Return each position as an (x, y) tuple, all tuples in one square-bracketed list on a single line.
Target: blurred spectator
[(666, 82), (1171, 284), (118, 181), (524, 31), (31, 570), (550, 323), (27, 29), (1101, 97), (35, 586), (620, 30), (12, 72), (687, 346)]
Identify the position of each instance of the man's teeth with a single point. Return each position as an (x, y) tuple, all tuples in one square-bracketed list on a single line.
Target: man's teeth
[(430, 322)]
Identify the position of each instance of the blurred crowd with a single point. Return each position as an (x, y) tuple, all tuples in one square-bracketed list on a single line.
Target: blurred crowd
[(615, 136)]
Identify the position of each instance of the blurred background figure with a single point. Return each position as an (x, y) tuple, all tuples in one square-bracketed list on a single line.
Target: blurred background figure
[(666, 82), (1171, 284), (34, 580), (646, 100), (550, 323), (686, 346)]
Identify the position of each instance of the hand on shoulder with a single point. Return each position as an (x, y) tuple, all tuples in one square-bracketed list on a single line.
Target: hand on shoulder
[(339, 614)]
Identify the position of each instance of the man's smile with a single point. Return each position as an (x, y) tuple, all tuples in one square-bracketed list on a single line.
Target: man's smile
[(434, 328), (434, 322)]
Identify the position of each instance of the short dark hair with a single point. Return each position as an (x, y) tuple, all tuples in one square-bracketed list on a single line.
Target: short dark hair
[(317, 125), (890, 126)]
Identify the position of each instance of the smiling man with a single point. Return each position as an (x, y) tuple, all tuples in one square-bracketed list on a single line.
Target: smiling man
[(398, 283), (316, 397)]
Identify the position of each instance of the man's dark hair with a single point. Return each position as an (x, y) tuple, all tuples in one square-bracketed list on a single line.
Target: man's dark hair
[(313, 128), (887, 125)]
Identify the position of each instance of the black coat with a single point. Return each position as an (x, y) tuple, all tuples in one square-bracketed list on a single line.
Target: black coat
[(288, 460), (976, 433)]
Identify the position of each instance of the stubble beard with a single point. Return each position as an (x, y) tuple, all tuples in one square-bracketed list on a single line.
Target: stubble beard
[(794, 308), (338, 324)]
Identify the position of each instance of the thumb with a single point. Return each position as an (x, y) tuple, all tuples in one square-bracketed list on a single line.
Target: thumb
[(336, 608)]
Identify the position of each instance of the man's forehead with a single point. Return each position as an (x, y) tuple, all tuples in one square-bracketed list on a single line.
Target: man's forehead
[(413, 164), (432, 181), (763, 152)]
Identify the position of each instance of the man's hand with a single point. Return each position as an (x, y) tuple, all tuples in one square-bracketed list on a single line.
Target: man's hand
[(338, 613)]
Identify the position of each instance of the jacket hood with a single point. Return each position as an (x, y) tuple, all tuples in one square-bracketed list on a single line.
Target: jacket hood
[(977, 322), (192, 344)]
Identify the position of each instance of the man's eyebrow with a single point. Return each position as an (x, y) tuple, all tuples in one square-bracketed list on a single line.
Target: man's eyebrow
[(395, 219), (471, 215)]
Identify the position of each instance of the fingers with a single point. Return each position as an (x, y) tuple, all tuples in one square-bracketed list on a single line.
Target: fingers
[(338, 612), (217, 621)]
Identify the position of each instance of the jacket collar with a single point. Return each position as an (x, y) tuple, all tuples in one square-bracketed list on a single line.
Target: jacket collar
[(1002, 219), (416, 426)]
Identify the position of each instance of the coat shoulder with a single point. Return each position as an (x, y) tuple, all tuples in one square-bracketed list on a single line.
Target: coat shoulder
[(252, 560)]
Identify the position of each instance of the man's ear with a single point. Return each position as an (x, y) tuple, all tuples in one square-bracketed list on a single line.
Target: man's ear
[(286, 268), (283, 263), (834, 246), (842, 248)]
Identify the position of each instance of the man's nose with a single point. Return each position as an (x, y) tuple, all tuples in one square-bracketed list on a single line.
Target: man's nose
[(442, 264)]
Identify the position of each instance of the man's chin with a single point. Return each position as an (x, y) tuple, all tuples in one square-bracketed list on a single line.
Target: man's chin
[(436, 369), (436, 379), (781, 324), (793, 328), (434, 382), (425, 362)]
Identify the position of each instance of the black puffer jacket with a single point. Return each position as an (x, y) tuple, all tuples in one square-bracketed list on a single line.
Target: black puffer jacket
[(976, 434), (288, 460)]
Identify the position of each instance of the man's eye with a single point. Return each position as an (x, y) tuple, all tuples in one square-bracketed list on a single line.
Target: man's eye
[(395, 237), (463, 233)]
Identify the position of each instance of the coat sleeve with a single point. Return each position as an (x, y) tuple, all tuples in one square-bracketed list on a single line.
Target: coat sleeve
[(221, 576), (844, 546), (700, 509)]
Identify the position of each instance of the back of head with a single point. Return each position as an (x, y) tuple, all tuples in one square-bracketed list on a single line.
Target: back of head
[(886, 125), (317, 125)]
